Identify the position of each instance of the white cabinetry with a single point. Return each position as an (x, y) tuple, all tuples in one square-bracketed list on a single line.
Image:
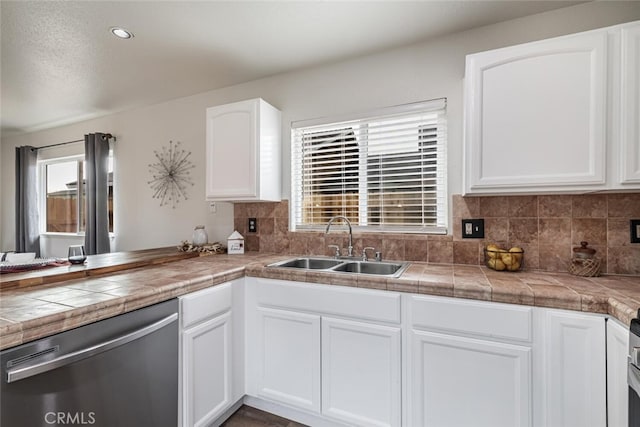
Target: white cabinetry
[(630, 106), (333, 355), (557, 115), (289, 348), (575, 372), (535, 115), (243, 152), (207, 372), (617, 389), (327, 350), (207, 367), (361, 372), (458, 380)]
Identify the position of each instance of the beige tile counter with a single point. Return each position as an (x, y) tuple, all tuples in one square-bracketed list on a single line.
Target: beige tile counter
[(29, 313), (95, 265)]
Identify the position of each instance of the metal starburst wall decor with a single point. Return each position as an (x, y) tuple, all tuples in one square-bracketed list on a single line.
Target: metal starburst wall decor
[(171, 174)]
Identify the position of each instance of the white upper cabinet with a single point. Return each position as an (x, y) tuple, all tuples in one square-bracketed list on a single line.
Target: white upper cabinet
[(243, 152), (542, 117), (630, 107)]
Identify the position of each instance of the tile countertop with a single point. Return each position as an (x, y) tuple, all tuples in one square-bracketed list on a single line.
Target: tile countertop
[(94, 266), (31, 312)]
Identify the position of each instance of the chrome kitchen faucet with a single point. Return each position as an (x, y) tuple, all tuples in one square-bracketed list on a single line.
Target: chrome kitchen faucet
[(350, 247)]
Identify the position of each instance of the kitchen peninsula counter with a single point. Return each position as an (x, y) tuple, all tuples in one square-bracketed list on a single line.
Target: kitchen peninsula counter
[(95, 265), (35, 309)]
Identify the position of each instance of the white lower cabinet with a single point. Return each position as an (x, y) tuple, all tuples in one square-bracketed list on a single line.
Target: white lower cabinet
[(617, 388), (361, 372), (289, 361), (470, 363), (329, 351), (575, 369), (208, 371), (459, 381), (332, 355)]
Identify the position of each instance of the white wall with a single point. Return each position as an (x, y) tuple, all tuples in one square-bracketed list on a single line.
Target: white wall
[(418, 72)]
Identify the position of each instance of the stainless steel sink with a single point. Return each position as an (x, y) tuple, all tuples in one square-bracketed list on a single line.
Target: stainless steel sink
[(377, 268), (366, 267), (308, 263)]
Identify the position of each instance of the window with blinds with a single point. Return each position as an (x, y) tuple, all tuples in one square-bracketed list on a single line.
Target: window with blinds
[(385, 171)]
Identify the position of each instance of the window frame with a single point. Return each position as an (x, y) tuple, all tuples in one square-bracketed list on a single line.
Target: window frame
[(42, 193), (437, 106)]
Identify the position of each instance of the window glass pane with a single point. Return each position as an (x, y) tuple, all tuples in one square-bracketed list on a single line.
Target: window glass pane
[(401, 181), (384, 172), (63, 215), (62, 180), (330, 173)]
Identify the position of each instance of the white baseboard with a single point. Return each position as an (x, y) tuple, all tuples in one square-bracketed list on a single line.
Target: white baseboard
[(222, 418), (314, 420)]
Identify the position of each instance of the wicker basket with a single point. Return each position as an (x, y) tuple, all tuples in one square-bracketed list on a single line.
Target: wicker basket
[(589, 267), (502, 260)]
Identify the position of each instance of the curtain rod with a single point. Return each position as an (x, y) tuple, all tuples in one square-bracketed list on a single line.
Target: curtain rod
[(106, 135)]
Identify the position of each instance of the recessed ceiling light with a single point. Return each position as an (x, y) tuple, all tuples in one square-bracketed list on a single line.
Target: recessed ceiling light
[(121, 33)]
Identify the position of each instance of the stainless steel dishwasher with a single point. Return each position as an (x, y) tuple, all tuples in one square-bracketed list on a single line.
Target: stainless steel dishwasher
[(118, 372)]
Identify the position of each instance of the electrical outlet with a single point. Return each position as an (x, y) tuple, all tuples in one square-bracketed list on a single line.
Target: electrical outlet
[(212, 207), (635, 230), (473, 228), (253, 225)]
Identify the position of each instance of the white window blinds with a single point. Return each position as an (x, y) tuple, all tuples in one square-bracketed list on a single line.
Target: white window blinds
[(385, 171)]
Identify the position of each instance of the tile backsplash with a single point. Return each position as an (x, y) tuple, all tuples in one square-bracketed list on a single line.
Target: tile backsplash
[(546, 227)]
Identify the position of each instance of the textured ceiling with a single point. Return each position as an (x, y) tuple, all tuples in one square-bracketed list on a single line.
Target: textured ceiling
[(60, 64)]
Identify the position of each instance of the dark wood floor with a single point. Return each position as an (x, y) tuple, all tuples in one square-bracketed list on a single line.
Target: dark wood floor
[(247, 416)]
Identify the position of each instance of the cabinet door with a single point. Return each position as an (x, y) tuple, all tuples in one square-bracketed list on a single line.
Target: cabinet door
[(361, 373), (575, 369), (457, 381), (206, 364), (617, 389), (535, 116), (289, 358), (630, 92), (232, 150)]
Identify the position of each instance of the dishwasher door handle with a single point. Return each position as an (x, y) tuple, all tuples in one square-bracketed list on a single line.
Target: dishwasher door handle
[(17, 374)]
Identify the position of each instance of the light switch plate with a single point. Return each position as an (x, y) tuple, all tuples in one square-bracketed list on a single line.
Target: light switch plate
[(635, 230), (473, 228)]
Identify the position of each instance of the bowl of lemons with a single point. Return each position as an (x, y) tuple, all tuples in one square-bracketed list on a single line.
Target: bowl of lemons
[(500, 259)]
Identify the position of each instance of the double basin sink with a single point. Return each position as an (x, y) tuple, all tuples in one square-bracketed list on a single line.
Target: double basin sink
[(378, 268)]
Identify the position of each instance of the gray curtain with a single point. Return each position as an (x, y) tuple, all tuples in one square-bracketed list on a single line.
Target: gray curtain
[(27, 227), (96, 238)]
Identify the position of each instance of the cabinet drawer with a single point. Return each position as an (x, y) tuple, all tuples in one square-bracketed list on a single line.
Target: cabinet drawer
[(365, 304), (198, 306), (487, 319)]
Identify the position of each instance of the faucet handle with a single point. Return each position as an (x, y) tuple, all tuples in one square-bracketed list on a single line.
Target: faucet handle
[(337, 248), (364, 252), (378, 256)]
